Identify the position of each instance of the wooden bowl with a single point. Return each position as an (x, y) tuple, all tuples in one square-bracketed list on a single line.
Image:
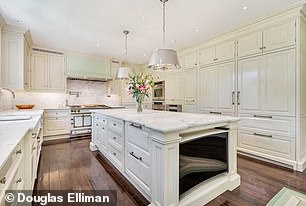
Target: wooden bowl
[(25, 106)]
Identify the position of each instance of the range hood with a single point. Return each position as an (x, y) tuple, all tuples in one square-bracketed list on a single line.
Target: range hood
[(88, 68)]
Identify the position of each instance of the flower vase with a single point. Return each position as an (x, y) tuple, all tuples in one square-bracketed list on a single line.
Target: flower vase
[(139, 100)]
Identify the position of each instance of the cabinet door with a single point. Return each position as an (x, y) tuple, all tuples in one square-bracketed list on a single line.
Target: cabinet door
[(207, 93), (225, 87), (278, 89), (103, 138), (56, 70), (191, 60), (96, 133), (207, 56), (39, 71), (12, 73), (279, 36), (225, 51), (56, 126), (250, 44), (249, 85), (190, 86)]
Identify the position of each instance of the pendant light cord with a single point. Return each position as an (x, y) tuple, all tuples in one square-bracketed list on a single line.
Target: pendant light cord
[(164, 23), (126, 32)]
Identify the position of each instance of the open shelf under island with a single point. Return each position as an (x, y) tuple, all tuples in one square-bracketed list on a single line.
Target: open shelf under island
[(171, 158)]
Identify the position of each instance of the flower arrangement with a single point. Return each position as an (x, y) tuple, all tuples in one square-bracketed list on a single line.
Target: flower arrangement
[(139, 86)]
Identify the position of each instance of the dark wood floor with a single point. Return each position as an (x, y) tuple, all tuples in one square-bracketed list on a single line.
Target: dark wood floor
[(73, 166)]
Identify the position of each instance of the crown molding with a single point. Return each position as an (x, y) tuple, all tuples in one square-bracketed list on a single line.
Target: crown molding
[(2, 21)]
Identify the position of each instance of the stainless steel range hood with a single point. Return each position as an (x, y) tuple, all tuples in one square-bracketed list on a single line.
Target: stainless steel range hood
[(84, 78)]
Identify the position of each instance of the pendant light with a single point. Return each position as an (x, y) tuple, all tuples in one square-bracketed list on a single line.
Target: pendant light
[(124, 71), (164, 59)]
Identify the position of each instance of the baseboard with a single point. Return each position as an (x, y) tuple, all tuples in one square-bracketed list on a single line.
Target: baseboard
[(301, 165)]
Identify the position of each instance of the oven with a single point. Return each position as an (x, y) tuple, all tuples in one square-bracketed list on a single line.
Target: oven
[(160, 106), (159, 91), (174, 107), (80, 122)]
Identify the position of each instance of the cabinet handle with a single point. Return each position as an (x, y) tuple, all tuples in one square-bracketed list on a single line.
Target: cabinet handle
[(18, 180), (114, 138), (3, 180), (262, 135), (264, 47), (263, 116), (34, 148), (238, 98), (114, 153), (136, 125), (215, 113), (233, 98), (18, 152), (138, 158), (34, 134), (114, 125), (215, 59)]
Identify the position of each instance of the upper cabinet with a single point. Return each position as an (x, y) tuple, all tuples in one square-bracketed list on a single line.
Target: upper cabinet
[(270, 38), (217, 53), (12, 58), (189, 60), (48, 71)]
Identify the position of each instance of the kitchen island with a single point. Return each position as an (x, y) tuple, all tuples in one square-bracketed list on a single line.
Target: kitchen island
[(147, 148)]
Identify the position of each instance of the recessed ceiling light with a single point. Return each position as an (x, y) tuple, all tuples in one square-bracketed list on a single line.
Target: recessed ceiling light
[(98, 45), (197, 30), (245, 8)]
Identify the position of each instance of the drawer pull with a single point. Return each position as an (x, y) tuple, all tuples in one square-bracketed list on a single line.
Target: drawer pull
[(138, 158), (3, 180), (114, 138), (215, 113), (136, 125), (114, 125), (263, 116), (34, 148), (18, 180), (18, 152), (233, 98), (114, 153), (263, 135), (103, 120)]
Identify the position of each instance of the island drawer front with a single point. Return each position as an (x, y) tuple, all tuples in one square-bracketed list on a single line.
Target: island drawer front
[(115, 137), (274, 145), (56, 113), (116, 155), (283, 126), (115, 124), (138, 137), (101, 118), (138, 153), (17, 180), (139, 172), (11, 161)]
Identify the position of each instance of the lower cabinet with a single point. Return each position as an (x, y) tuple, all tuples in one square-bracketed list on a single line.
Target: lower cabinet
[(127, 147), (56, 124)]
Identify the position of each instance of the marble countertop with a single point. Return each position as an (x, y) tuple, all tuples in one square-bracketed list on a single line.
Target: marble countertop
[(12, 132), (166, 121)]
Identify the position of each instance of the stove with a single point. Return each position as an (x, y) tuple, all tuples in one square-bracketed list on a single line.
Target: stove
[(81, 119)]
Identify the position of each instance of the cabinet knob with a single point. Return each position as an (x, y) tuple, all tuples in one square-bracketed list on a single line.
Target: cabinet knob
[(18, 180), (114, 138), (114, 153), (3, 180), (18, 152)]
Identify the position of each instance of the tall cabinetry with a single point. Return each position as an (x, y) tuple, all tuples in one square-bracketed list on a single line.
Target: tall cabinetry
[(13, 58), (48, 71)]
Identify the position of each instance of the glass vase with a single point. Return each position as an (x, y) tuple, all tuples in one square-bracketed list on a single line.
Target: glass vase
[(139, 100)]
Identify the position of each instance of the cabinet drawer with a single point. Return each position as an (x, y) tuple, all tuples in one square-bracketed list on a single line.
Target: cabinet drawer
[(137, 136), (115, 137), (102, 119), (56, 126), (283, 126), (17, 181), (138, 153), (139, 171), (115, 124), (115, 155), (277, 146), (57, 113)]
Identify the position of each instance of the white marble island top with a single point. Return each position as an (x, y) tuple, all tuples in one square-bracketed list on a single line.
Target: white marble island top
[(166, 121), (11, 132)]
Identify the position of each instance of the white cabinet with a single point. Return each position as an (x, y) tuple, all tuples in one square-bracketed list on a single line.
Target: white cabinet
[(56, 123), (217, 53), (12, 59), (190, 60), (190, 88), (174, 87), (217, 87), (271, 38), (47, 72), (266, 84)]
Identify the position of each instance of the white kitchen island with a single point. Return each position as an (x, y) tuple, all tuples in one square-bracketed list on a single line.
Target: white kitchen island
[(145, 146)]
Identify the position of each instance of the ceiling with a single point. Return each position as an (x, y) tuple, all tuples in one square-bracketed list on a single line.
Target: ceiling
[(82, 25)]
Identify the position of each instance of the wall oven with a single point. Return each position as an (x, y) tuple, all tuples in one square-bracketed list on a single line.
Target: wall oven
[(80, 122), (159, 91), (174, 107), (160, 106)]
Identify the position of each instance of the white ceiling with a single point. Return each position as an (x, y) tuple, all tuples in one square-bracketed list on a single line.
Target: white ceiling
[(79, 25)]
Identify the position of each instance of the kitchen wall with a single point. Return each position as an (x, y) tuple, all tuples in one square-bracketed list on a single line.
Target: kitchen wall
[(90, 93)]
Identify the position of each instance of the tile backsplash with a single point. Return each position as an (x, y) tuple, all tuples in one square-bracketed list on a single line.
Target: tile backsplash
[(89, 93)]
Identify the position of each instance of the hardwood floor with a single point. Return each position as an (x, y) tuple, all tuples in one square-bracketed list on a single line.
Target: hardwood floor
[(72, 165)]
